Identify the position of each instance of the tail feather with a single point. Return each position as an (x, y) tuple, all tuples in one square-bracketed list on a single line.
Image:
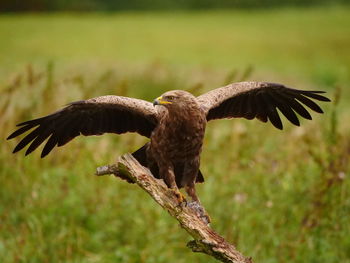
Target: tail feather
[(140, 155), (200, 177)]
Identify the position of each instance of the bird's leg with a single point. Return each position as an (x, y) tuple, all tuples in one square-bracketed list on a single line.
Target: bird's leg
[(191, 191), (196, 204), (169, 179)]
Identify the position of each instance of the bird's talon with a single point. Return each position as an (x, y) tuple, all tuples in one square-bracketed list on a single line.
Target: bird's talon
[(179, 196)]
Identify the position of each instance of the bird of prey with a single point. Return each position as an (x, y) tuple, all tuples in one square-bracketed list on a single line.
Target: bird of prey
[(175, 123)]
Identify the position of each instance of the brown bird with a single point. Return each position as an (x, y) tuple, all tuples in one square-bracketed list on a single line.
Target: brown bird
[(175, 123)]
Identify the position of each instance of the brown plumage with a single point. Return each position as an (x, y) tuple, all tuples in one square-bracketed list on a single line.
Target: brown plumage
[(175, 123)]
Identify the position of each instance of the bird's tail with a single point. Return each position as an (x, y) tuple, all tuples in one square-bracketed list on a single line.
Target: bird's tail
[(141, 156)]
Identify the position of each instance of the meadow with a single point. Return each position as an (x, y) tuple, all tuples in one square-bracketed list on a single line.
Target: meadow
[(279, 196)]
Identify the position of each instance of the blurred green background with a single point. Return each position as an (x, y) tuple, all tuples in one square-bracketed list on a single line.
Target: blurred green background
[(280, 196)]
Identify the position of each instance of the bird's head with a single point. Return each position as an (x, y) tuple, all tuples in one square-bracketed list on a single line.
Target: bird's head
[(175, 99)]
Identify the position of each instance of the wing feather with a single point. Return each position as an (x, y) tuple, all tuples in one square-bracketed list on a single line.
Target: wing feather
[(261, 108), (260, 100), (40, 138), (296, 106), (312, 105), (286, 110), (51, 143), (251, 108), (314, 95), (21, 130), (26, 140), (66, 135), (240, 105), (112, 114), (272, 113)]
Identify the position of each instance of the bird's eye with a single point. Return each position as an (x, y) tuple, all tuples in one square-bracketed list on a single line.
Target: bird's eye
[(170, 97)]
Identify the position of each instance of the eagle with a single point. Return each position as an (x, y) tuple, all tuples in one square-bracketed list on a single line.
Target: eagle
[(175, 123)]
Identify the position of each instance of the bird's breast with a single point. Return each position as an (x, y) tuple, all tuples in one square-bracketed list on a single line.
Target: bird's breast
[(178, 139)]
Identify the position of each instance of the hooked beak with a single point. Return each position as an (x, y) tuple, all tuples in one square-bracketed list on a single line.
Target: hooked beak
[(160, 101)]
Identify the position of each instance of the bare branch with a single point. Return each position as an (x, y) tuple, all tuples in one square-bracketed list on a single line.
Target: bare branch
[(205, 239)]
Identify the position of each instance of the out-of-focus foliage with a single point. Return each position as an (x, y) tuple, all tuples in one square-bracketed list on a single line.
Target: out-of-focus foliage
[(280, 196), (113, 5)]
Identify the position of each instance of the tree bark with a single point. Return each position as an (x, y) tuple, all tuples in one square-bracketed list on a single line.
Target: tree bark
[(205, 239)]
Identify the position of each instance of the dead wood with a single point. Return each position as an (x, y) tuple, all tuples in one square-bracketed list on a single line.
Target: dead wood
[(205, 240)]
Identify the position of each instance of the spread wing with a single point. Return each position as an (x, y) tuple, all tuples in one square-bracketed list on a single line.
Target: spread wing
[(260, 100), (106, 114)]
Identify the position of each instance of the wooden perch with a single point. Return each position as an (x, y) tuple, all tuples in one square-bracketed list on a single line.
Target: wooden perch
[(205, 239)]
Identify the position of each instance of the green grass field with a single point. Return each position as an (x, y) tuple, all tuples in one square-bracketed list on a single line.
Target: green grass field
[(279, 196)]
